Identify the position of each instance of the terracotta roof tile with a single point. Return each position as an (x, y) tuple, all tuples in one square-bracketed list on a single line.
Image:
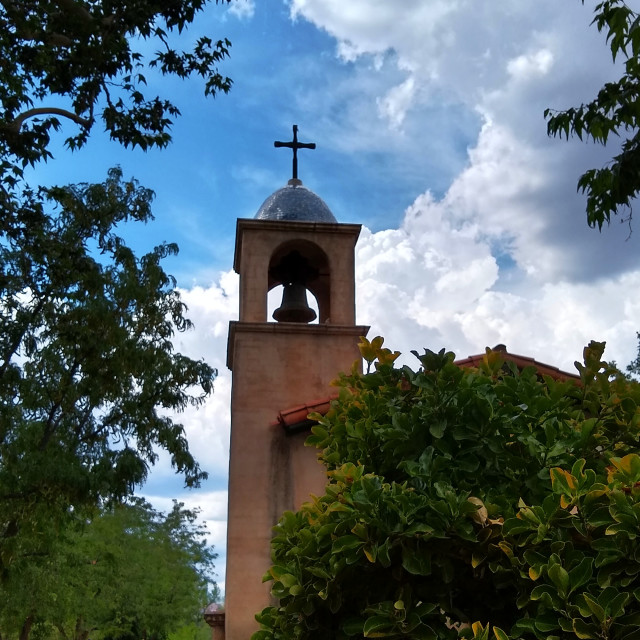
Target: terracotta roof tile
[(214, 615), (297, 418), (521, 362)]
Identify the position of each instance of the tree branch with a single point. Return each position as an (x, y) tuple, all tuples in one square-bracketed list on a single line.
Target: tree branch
[(61, 630), (50, 111), (13, 348), (52, 423), (71, 6), (54, 39), (25, 631)]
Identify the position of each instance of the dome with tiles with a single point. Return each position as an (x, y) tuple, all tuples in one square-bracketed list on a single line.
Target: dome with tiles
[(296, 203)]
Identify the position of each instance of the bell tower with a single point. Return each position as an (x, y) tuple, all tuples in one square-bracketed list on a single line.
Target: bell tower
[(294, 241)]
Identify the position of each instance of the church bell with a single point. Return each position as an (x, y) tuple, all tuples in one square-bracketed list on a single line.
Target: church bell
[(294, 307), (294, 271)]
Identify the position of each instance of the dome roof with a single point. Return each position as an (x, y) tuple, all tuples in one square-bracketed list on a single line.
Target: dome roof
[(295, 202)]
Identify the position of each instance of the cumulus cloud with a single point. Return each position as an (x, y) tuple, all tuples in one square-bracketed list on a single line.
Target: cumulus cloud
[(504, 255), (505, 62), (526, 66), (206, 427), (210, 309), (363, 27), (243, 9), (394, 105), (451, 296)]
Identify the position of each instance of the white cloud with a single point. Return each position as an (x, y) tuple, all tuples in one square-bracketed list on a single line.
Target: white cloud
[(207, 427), (364, 27), (535, 64), (506, 62), (243, 9), (451, 298), (210, 309), (397, 102)]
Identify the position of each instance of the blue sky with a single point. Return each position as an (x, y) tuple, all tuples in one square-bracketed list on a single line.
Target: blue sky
[(222, 156), (427, 116)]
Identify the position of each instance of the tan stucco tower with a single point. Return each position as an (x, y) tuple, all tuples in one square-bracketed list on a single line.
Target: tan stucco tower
[(294, 241)]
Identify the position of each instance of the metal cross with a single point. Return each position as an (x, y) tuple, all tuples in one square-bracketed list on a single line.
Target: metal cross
[(295, 145)]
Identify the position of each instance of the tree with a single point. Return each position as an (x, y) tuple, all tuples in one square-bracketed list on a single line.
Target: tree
[(87, 368), (89, 379), (79, 54), (633, 368), (472, 503), (611, 189), (128, 572)]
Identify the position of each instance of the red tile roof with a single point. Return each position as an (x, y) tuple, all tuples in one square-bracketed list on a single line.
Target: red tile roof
[(521, 362), (297, 418)]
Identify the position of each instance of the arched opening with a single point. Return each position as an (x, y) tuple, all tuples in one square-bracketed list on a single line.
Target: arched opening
[(301, 265)]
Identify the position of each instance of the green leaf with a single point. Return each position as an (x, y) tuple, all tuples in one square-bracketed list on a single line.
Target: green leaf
[(615, 608), (353, 626), (628, 466), (560, 578), (547, 622), (524, 625), (581, 574), (427, 633), (478, 557), (547, 594), (288, 580), (500, 634), (378, 627), (416, 562), (514, 526), (437, 429), (480, 632), (594, 607), (345, 543), (584, 630)]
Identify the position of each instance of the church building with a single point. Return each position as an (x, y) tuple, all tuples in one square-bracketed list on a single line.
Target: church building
[(281, 371)]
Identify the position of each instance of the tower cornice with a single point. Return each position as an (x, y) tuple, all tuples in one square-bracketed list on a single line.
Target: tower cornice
[(289, 226), (290, 328)]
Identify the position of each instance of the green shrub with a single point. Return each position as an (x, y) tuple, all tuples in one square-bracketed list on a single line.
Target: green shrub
[(481, 503)]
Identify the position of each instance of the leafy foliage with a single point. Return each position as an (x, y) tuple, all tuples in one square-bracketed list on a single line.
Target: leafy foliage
[(479, 503), (611, 189), (129, 572), (89, 378), (87, 368), (80, 54)]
